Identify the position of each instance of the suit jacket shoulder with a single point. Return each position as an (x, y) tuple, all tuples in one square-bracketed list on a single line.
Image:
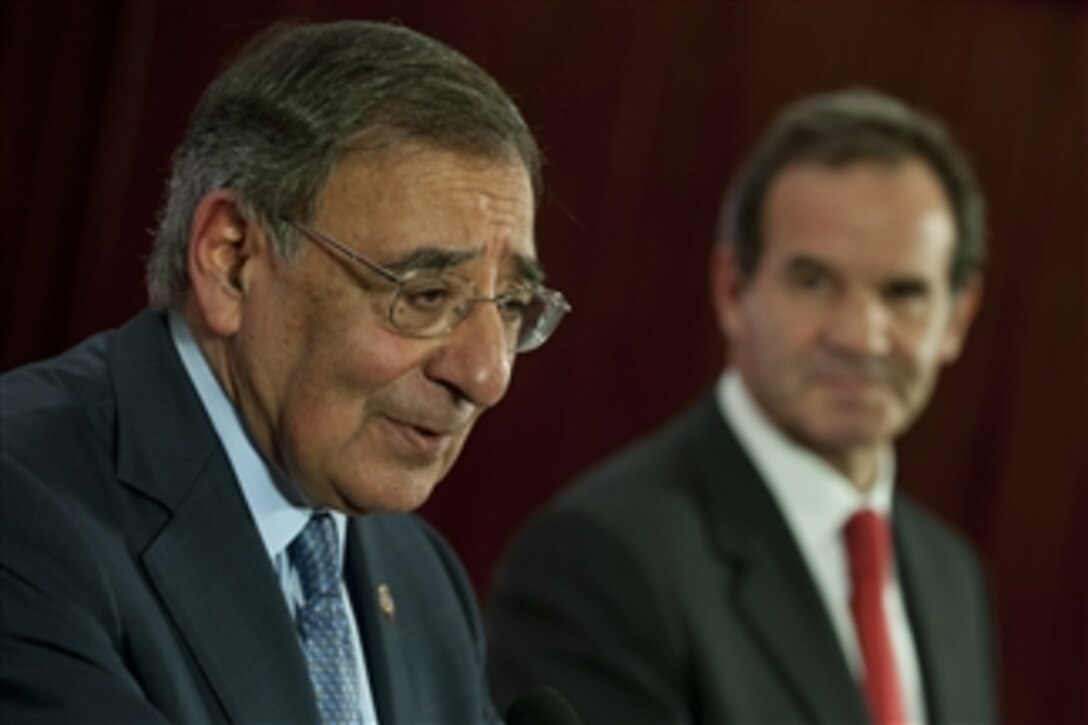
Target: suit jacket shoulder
[(665, 586), (130, 565)]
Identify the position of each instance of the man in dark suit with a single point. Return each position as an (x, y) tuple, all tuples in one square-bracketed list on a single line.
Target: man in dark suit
[(204, 512), (733, 566)]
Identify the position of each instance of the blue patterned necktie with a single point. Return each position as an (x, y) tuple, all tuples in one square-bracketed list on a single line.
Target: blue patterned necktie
[(323, 623)]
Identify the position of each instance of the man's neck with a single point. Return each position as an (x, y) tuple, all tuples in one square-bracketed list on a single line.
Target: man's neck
[(859, 465)]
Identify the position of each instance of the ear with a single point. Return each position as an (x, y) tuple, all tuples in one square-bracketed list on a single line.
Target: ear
[(965, 306), (726, 286), (221, 245)]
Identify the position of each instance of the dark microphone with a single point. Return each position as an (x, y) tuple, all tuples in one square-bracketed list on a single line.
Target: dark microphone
[(541, 706)]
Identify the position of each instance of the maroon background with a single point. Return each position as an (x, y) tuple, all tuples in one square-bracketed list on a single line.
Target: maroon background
[(643, 111)]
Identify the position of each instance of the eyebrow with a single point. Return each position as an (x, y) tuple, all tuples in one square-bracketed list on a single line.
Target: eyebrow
[(529, 269), (429, 258), (806, 263), (439, 260)]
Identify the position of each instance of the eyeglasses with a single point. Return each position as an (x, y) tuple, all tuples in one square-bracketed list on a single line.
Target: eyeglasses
[(427, 303)]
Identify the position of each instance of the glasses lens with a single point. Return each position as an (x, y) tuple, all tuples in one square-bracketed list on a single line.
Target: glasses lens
[(542, 315), (429, 304)]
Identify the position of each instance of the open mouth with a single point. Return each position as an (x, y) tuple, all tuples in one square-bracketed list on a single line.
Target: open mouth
[(425, 432), (418, 440)]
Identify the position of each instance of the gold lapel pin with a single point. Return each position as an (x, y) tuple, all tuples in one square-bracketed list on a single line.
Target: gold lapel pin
[(385, 602)]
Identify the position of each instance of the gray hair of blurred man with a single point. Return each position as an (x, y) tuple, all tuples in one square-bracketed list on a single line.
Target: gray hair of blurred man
[(838, 129), (273, 125)]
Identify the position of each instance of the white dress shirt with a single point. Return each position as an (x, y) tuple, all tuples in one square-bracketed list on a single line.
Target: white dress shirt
[(278, 520), (817, 501)]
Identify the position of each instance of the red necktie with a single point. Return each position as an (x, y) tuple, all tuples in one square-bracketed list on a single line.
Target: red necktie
[(868, 545)]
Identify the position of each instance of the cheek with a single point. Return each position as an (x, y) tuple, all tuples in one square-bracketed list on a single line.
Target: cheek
[(333, 377), (922, 349), (340, 380), (780, 339)]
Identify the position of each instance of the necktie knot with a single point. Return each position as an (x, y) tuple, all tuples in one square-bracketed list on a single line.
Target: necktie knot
[(316, 555), (867, 544)]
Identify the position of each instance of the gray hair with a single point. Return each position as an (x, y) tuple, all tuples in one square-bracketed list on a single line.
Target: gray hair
[(273, 125), (838, 129)]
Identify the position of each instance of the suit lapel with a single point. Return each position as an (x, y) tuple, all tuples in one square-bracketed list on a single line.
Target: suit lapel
[(774, 591), (386, 665), (207, 562), (936, 619), (216, 581)]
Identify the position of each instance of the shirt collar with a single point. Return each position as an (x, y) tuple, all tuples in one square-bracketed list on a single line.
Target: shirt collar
[(278, 520), (816, 499)]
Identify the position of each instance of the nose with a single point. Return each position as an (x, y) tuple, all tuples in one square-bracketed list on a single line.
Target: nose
[(475, 359), (859, 324)]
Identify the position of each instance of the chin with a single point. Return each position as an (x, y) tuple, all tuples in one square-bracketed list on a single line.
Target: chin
[(830, 430), (866, 421), (391, 493)]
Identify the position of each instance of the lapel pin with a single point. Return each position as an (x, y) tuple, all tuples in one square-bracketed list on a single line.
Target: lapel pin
[(385, 602)]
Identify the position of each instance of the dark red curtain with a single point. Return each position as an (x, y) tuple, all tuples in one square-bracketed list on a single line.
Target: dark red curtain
[(643, 111)]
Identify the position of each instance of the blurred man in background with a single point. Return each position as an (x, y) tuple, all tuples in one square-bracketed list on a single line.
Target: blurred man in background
[(753, 561)]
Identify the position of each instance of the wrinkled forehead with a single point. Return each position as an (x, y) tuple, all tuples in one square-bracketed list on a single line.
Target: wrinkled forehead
[(393, 168), (431, 207)]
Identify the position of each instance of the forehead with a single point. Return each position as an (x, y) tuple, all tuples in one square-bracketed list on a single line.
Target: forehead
[(382, 201), (865, 215)]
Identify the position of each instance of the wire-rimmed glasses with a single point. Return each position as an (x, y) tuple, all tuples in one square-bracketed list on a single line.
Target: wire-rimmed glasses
[(428, 303)]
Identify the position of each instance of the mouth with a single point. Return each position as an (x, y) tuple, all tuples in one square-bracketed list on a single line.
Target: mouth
[(418, 440), (847, 380), (851, 386)]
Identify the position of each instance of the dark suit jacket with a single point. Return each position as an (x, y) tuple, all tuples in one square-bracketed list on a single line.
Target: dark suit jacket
[(135, 586), (666, 587)]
